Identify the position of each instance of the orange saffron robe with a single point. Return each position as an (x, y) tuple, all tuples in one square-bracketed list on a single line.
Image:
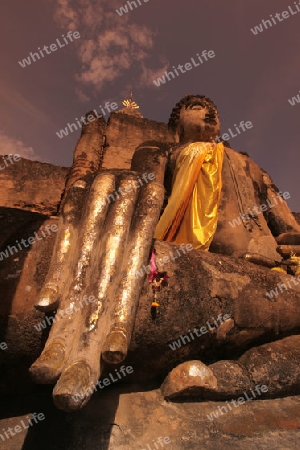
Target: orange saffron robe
[(191, 214)]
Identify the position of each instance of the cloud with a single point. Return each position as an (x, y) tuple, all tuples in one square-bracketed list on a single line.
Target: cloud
[(13, 99), (65, 15), (110, 45), (10, 145), (148, 74), (82, 96)]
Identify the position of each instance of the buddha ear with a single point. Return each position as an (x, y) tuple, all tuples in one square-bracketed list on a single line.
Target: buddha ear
[(178, 133)]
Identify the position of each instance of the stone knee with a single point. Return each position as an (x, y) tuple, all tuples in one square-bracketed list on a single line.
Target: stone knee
[(151, 158)]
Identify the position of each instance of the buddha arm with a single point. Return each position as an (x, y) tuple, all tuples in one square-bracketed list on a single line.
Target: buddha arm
[(276, 212), (279, 217)]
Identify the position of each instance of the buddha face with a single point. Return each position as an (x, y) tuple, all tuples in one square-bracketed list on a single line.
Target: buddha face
[(198, 121)]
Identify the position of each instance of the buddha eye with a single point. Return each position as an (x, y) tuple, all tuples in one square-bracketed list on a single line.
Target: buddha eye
[(202, 112), (199, 107)]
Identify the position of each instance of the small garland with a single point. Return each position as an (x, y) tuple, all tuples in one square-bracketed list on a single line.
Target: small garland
[(158, 280)]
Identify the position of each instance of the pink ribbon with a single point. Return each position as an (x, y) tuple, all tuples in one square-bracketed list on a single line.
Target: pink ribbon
[(154, 271)]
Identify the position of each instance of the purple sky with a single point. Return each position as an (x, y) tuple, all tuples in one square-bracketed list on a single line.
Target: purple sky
[(251, 77)]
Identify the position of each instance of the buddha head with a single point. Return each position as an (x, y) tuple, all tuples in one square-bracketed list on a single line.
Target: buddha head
[(194, 119)]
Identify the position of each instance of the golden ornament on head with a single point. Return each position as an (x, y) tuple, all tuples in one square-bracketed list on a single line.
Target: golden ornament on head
[(129, 103)]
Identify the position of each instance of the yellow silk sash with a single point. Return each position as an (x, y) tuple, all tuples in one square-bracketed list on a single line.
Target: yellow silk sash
[(191, 214)]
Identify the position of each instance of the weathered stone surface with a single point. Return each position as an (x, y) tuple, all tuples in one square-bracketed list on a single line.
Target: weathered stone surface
[(232, 379), (224, 329), (125, 132), (21, 276), (277, 365), (32, 186), (151, 157), (286, 250), (288, 238), (213, 285), (223, 291), (89, 151), (265, 246), (189, 379), (232, 237), (194, 291), (121, 418), (297, 216)]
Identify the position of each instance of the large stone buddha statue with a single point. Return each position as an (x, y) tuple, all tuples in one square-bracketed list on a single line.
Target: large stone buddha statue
[(247, 214), (108, 220)]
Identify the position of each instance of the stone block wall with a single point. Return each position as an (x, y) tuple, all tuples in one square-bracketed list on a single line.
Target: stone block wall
[(123, 135), (32, 186)]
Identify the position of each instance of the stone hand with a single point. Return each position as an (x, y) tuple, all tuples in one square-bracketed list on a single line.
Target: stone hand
[(114, 242)]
